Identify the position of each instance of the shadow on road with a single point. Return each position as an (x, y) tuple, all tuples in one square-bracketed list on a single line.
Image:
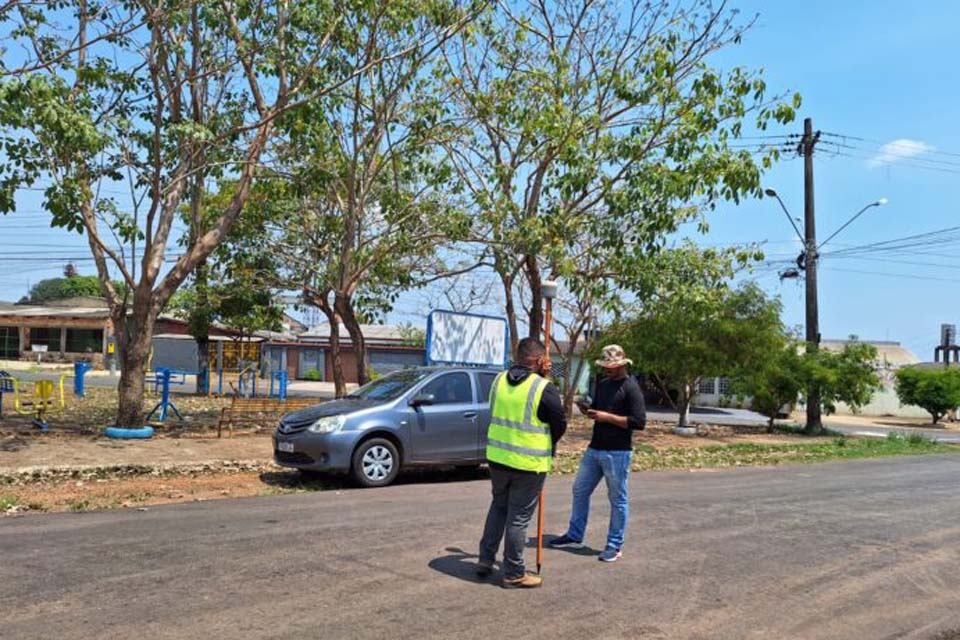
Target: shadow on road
[(462, 565), (547, 537), (325, 482)]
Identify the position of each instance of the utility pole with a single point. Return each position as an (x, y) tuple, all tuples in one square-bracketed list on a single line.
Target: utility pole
[(810, 139)]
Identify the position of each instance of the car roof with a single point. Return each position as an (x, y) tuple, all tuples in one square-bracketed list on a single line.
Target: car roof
[(438, 368)]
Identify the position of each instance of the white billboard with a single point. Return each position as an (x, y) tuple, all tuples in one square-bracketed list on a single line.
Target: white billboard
[(467, 339)]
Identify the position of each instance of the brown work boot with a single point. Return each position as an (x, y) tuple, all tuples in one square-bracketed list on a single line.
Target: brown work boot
[(526, 581)]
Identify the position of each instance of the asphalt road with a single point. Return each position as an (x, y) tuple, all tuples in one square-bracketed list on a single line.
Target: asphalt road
[(864, 549)]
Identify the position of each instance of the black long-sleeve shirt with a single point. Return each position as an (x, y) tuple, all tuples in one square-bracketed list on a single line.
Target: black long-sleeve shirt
[(621, 397)]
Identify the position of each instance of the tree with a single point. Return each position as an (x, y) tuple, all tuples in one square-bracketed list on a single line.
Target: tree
[(848, 376), (361, 200), (937, 390), (693, 324), (598, 128), (777, 383), (64, 288), (157, 97)]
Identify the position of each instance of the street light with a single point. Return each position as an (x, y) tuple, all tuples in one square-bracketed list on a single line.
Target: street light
[(878, 203), (774, 194), (807, 262)]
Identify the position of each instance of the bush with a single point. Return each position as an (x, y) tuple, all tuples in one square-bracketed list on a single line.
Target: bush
[(934, 390), (313, 375)]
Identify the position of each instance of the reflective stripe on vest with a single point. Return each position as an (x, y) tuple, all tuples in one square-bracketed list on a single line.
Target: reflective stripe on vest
[(516, 437)]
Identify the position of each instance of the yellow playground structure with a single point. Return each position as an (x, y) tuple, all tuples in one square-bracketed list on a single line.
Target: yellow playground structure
[(44, 397)]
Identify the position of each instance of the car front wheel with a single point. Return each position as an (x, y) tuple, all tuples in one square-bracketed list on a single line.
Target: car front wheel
[(376, 463)]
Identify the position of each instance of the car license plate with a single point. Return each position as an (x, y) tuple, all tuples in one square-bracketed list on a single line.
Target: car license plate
[(286, 447)]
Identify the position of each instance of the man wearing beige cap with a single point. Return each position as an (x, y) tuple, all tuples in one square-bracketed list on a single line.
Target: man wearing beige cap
[(617, 409)]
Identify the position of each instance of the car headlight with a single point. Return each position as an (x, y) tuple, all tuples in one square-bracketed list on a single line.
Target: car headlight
[(327, 425)]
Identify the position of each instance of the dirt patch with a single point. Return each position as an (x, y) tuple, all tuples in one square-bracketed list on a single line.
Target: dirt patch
[(31, 449), (112, 493)]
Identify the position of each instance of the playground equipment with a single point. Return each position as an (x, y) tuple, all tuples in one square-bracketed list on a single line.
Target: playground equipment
[(79, 372), (281, 387), (46, 396), (247, 382), (162, 379)]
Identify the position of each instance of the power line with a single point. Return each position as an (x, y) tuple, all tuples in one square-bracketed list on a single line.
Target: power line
[(897, 275), (882, 143)]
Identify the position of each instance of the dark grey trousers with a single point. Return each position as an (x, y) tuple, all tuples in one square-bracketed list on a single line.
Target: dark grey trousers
[(515, 495)]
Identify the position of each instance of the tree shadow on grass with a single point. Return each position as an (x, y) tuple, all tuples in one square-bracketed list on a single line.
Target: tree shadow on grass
[(462, 565)]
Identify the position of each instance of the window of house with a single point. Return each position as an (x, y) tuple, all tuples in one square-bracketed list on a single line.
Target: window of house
[(84, 340), (725, 387), (450, 388), (9, 342), (486, 381), (49, 336), (707, 386)]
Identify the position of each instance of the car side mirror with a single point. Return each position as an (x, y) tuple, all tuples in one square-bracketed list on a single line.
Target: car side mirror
[(423, 399)]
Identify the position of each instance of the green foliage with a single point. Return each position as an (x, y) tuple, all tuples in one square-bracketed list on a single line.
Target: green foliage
[(313, 375), (692, 324), (62, 289), (589, 137), (412, 336), (935, 390), (848, 376)]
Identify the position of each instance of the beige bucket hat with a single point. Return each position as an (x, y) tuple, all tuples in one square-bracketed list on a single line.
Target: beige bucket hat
[(613, 357)]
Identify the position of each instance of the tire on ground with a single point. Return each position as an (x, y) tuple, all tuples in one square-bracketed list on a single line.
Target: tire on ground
[(381, 451)]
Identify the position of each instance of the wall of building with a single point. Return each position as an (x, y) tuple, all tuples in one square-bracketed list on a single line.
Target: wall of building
[(175, 353), (384, 361)]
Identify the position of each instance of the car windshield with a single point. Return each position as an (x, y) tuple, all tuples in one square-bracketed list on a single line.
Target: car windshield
[(390, 386)]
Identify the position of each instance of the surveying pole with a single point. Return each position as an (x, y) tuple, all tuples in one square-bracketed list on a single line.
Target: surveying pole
[(549, 292), (807, 143)]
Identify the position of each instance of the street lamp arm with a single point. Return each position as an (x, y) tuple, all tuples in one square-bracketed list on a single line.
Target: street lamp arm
[(846, 224), (771, 192)]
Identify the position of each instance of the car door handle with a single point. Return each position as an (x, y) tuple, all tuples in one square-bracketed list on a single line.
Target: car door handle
[(470, 414)]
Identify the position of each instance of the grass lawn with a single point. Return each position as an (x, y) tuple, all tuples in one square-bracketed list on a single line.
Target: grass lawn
[(647, 457)]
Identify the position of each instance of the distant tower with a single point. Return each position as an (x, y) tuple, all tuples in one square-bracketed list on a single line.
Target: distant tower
[(948, 344)]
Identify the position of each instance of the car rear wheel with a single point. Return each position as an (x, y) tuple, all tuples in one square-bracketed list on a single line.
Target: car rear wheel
[(376, 463)]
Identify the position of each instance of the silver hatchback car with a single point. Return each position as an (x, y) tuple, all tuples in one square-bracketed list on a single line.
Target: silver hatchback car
[(420, 416)]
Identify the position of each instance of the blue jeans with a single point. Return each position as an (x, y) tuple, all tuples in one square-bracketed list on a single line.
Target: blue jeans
[(614, 467)]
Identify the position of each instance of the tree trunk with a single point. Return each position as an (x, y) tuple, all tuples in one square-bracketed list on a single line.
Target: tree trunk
[(664, 391), (574, 381), (536, 297), (511, 312), (200, 326), (344, 307), (683, 405), (135, 340), (770, 423), (339, 384)]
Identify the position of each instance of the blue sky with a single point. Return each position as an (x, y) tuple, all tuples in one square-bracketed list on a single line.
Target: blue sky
[(881, 71)]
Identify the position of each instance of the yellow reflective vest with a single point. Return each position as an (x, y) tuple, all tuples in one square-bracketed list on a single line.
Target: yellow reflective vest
[(516, 438)]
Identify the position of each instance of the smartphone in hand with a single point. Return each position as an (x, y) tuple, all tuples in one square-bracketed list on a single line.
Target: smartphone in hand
[(584, 404)]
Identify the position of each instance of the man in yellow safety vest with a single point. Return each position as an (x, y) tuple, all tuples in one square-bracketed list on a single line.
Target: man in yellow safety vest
[(526, 421)]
